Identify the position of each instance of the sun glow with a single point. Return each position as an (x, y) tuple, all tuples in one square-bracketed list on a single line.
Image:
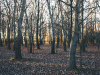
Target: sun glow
[(91, 1)]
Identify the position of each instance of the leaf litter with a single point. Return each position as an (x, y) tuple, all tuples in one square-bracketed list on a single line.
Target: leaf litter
[(41, 62)]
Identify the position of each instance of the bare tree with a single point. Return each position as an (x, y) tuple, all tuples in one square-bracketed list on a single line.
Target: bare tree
[(0, 27), (70, 36), (64, 35), (19, 38), (14, 23), (73, 43), (37, 42), (53, 30)]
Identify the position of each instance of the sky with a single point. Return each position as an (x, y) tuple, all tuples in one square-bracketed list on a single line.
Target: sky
[(46, 13), (52, 4)]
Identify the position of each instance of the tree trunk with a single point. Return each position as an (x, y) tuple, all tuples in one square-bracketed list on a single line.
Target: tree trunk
[(71, 24), (8, 34), (86, 38), (58, 37), (64, 36), (14, 24), (0, 28), (18, 46), (26, 29), (22, 40), (0, 41), (58, 30), (61, 36), (53, 30), (93, 35), (73, 43), (40, 32), (82, 47), (37, 42), (30, 43), (3, 30), (53, 42), (49, 33), (31, 37)]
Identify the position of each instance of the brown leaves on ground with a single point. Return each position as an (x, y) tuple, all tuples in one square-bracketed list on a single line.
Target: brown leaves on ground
[(41, 62)]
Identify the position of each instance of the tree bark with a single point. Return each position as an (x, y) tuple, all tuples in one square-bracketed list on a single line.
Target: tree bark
[(58, 37), (37, 42), (0, 27), (18, 46), (8, 34), (40, 33), (82, 35), (14, 24), (64, 36), (58, 30), (49, 34), (31, 37), (73, 43), (53, 30), (26, 29), (0, 41), (71, 24)]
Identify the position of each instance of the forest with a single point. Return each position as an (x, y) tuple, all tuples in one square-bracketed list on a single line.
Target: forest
[(49, 37)]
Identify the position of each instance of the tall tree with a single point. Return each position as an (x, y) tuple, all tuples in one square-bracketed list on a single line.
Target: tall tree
[(31, 37), (58, 28), (37, 42), (64, 35), (73, 43), (14, 23), (49, 32), (53, 30), (82, 31), (25, 39), (8, 29), (40, 30), (70, 36), (0, 27), (18, 48)]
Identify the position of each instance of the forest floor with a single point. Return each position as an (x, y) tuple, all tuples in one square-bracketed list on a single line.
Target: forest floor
[(41, 62)]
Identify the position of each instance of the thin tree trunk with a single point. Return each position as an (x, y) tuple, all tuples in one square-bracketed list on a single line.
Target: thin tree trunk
[(71, 24), (93, 35), (22, 40), (82, 35), (26, 29), (64, 36), (53, 30), (49, 33), (0, 17), (58, 30), (8, 36), (14, 24), (86, 37), (37, 42), (58, 37), (31, 37), (0, 41), (61, 36), (95, 24), (40, 32), (0, 27)]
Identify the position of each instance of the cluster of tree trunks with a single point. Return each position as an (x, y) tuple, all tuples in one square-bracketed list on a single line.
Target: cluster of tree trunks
[(72, 39)]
